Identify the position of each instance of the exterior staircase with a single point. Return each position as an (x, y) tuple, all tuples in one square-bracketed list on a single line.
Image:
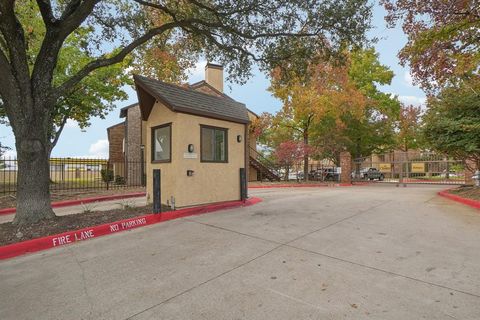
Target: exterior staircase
[(265, 168)]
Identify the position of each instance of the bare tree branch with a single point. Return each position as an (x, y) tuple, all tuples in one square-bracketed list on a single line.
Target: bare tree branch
[(219, 13), (103, 62), (6, 80), (220, 45), (45, 7), (73, 16), (13, 35), (70, 8), (226, 28), (157, 6), (78, 11), (59, 131)]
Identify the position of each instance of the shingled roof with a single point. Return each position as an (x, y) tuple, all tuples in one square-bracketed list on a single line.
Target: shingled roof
[(187, 100)]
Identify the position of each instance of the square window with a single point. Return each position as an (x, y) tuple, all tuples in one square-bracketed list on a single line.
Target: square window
[(214, 146), (162, 143)]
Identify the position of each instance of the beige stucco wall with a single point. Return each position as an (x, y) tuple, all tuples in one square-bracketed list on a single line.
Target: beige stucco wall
[(211, 182)]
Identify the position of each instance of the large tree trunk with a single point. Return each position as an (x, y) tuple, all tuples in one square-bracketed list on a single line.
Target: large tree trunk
[(33, 179)]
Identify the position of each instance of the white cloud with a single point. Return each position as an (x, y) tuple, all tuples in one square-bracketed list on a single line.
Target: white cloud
[(10, 154), (416, 101), (408, 78), (71, 124), (198, 72), (99, 149)]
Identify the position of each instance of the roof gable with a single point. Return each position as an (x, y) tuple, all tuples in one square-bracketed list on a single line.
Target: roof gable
[(187, 100), (205, 85)]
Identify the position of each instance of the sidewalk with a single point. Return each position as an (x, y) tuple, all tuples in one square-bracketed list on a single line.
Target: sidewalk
[(95, 206)]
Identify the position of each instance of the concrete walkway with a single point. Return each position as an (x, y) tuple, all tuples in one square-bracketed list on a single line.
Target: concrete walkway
[(373, 252), (94, 206)]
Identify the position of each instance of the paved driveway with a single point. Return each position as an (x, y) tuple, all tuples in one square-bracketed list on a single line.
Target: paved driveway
[(372, 252)]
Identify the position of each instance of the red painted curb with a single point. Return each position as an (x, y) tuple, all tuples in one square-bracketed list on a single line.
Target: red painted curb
[(466, 201), (77, 202), (289, 186), (44, 243), (356, 183), (306, 185)]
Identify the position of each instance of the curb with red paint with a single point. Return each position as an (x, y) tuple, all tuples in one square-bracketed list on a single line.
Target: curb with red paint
[(58, 240), (307, 185), (76, 202), (288, 186), (466, 201)]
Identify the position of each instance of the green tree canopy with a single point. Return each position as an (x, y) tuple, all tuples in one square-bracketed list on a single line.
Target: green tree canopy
[(452, 122), (374, 131)]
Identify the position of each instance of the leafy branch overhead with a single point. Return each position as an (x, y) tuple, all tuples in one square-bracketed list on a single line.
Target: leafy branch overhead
[(443, 39), (62, 59)]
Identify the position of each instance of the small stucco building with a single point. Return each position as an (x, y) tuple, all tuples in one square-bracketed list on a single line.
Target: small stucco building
[(196, 136), (128, 139)]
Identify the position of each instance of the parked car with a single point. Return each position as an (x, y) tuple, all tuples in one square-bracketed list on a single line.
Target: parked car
[(451, 174), (324, 174), (295, 175), (476, 178), (331, 174), (360, 174), (300, 175), (315, 174), (369, 174)]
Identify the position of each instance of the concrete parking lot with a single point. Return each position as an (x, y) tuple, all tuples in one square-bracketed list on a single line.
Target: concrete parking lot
[(366, 252)]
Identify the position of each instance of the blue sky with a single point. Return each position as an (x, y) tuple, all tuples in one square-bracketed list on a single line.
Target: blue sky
[(92, 142)]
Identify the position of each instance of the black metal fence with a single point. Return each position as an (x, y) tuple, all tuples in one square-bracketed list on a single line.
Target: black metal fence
[(268, 169), (409, 167), (317, 171), (79, 174)]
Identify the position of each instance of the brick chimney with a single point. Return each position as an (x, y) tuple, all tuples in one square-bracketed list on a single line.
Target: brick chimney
[(214, 76)]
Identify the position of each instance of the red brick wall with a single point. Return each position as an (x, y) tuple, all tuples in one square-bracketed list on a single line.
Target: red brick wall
[(134, 134), (133, 150), (116, 135)]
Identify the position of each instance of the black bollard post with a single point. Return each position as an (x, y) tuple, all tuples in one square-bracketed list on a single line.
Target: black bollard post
[(157, 203)]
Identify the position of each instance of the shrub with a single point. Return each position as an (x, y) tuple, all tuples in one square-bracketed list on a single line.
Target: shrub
[(119, 179), (107, 175)]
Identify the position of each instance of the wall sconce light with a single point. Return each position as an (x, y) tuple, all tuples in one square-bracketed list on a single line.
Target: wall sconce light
[(239, 138), (190, 148)]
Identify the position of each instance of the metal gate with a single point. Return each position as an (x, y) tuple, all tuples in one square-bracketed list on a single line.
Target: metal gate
[(409, 167)]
